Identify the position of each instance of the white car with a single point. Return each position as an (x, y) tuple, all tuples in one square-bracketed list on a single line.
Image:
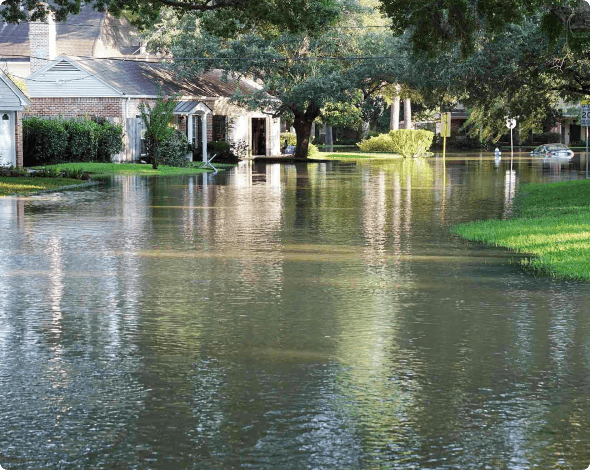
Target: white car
[(552, 151)]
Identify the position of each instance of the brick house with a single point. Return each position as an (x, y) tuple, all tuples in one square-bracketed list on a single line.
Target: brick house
[(94, 66)]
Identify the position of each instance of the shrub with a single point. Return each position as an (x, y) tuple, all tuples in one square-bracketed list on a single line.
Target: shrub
[(577, 143), (110, 141), (44, 141), (239, 148), (173, 150), (289, 137), (82, 140), (547, 138), (223, 150), (380, 143), (410, 142), (312, 151), (48, 141)]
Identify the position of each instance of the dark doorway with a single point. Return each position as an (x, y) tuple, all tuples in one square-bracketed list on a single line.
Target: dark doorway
[(575, 133), (258, 136)]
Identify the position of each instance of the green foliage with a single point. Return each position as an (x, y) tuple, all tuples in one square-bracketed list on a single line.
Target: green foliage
[(313, 151), (297, 81), (233, 15), (459, 24), (289, 138), (157, 120), (226, 152), (380, 143), (546, 138), (44, 141), (82, 139), (343, 114), (173, 150), (109, 139), (406, 142), (48, 172), (47, 141), (410, 142)]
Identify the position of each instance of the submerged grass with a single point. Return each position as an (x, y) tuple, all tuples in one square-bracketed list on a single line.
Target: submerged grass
[(355, 156), (108, 169), (28, 185), (552, 223)]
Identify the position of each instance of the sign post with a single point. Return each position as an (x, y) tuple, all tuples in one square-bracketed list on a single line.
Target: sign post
[(445, 129), (585, 122), (511, 124)]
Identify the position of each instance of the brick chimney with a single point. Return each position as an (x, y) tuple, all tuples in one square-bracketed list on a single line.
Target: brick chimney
[(42, 38)]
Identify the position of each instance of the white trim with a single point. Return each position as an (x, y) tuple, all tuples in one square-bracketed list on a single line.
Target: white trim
[(24, 101)]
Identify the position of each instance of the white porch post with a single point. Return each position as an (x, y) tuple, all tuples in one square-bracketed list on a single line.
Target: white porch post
[(204, 136), (189, 129)]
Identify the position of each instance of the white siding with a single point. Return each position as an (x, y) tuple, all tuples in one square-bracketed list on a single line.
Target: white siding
[(68, 82), (8, 99), (239, 130), (275, 136)]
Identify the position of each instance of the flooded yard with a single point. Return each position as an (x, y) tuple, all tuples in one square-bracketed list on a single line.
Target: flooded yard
[(288, 317)]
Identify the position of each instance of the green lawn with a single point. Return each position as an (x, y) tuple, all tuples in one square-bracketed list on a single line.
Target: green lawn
[(552, 223), (355, 156), (27, 185), (107, 169)]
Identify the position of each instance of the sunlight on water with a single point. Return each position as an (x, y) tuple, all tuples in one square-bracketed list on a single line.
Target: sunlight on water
[(282, 316)]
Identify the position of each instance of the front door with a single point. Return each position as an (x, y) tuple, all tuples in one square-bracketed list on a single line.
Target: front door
[(258, 136), (6, 139)]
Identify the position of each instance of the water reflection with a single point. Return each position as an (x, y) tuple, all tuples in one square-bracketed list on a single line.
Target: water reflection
[(296, 316)]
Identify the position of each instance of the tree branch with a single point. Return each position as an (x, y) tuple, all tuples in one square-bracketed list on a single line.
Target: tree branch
[(574, 19), (205, 5)]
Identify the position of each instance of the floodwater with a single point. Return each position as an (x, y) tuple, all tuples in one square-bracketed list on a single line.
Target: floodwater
[(288, 317)]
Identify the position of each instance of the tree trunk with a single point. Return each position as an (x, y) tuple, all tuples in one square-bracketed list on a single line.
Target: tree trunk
[(394, 121), (152, 148), (302, 123), (366, 129), (329, 139), (407, 113)]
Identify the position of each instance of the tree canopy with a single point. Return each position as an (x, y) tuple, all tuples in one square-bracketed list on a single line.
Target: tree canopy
[(438, 25), (299, 73), (292, 16)]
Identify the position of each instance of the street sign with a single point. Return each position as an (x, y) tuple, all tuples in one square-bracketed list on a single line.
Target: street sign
[(510, 123), (445, 124), (585, 121)]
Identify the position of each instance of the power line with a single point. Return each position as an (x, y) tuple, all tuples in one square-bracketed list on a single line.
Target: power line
[(209, 59), (191, 28)]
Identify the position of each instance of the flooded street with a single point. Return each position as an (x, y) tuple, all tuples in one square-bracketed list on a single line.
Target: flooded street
[(288, 317)]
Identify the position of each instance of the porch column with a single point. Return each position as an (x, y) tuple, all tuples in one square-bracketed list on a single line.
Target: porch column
[(189, 132), (204, 136)]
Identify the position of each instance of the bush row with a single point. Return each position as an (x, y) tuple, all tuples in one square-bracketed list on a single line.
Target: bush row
[(406, 142), (48, 141)]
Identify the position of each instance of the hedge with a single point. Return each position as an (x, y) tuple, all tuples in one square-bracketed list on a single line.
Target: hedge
[(48, 141), (406, 142)]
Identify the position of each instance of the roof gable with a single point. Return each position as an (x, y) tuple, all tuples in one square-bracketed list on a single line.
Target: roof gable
[(17, 99), (64, 77)]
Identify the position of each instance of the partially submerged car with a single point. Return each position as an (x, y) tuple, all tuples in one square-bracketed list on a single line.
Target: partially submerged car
[(552, 151)]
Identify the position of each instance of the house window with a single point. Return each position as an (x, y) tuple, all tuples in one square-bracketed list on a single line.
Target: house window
[(220, 128)]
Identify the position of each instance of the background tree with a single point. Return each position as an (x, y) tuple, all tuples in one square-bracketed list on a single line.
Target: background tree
[(299, 73), (298, 15), (442, 24)]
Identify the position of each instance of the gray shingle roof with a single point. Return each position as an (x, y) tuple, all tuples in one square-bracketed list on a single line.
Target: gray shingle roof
[(133, 77), (76, 37)]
